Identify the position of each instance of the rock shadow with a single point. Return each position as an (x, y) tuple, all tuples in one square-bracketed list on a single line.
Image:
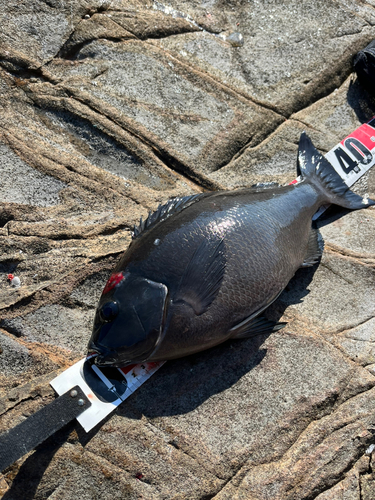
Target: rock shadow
[(362, 103), (29, 476), (182, 385)]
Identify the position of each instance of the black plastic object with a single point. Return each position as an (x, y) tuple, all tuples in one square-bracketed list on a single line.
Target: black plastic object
[(23, 438), (364, 65), (114, 387)]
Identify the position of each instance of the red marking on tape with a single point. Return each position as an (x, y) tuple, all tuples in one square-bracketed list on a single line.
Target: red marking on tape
[(127, 369), (293, 182), (114, 280), (151, 365), (364, 134)]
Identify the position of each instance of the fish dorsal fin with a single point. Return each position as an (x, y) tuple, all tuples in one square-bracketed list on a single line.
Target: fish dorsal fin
[(202, 278), (172, 207), (315, 248)]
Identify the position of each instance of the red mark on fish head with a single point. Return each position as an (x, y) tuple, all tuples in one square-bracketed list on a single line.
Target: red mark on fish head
[(139, 475), (113, 281), (10, 277)]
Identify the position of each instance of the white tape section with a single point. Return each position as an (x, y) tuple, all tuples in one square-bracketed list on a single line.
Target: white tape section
[(130, 377), (351, 158)]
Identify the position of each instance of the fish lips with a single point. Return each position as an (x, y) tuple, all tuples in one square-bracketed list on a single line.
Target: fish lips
[(104, 357), (117, 358)]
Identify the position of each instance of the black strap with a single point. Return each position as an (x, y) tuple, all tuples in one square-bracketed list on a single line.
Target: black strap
[(18, 441)]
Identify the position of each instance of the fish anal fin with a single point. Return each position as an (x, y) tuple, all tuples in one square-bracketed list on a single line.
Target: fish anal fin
[(251, 327), (314, 248), (172, 207), (202, 278)]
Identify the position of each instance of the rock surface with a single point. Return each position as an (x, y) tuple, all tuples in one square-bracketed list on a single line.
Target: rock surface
[(111, 107)]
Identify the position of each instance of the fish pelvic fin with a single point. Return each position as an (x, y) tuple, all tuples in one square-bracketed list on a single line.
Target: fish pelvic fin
[(316, 169), (251, 327)]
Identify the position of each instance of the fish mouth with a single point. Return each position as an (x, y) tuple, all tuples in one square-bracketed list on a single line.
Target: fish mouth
[(108, 360), (103, 356)]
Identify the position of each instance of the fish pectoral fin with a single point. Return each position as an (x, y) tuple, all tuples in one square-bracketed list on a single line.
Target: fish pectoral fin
[(202, 278), (251, 327), (315, 248)]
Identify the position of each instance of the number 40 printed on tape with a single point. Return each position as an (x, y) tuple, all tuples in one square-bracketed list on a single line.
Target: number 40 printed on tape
[(353, 156)]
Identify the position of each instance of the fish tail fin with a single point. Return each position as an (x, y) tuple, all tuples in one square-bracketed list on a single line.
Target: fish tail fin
[(317, 170)]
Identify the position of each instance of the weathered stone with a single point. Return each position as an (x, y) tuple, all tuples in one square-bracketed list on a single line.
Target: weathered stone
[(218, 407), (327, 122), (273, 160), (53, 325), (38, 29), (345, 305), (322, 453), (22, 184), (156, 457), (351, 235), (358, 343), (292, 53), (349, 488), (88, 293), (110, 78), (107, 110), (14, 358)]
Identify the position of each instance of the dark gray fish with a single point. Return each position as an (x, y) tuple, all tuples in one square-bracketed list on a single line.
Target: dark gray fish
[(202, 269)]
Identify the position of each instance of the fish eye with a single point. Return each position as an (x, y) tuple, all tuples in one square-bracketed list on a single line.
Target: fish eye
[(109, 311)]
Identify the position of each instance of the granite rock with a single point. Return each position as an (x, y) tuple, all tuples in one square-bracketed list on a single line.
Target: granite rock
[(109, 108)]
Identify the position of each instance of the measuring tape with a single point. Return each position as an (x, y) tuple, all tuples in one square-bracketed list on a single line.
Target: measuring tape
[(89, 393), (105, 388)]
